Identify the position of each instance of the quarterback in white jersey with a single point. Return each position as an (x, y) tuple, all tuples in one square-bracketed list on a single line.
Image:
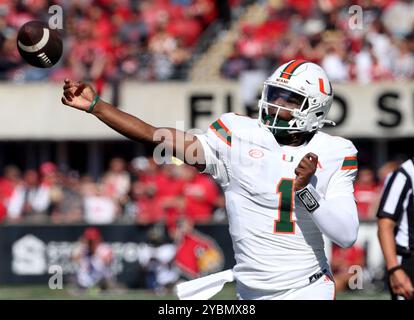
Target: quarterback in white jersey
[(278, 244), (285, 182)]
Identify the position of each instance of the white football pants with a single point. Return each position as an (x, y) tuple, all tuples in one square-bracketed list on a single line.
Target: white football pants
[(321, 289)]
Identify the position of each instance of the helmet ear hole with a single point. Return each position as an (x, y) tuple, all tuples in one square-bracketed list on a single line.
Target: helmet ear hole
[(318, 114)]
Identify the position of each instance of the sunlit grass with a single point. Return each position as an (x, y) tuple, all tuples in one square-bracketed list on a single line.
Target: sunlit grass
[(39, 292)]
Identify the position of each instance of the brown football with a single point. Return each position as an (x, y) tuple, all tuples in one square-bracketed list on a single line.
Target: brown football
[(39, 45)]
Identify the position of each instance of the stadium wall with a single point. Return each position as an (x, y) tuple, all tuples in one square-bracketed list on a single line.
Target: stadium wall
[(28, 251), (34, 111)]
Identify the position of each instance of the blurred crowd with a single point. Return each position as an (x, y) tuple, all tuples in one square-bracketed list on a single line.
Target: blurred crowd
[(171, 196), (110, 40), (372, 44), (139, 191), (170, 199), (368, 188), (135, 192)]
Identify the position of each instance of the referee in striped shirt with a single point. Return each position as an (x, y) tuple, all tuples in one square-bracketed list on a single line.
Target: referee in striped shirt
[(396, 230)]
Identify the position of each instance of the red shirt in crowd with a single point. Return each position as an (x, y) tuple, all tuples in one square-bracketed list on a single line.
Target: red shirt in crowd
[(6, 190), (200, 195), (365, 195), (149, 210), (343, 258), (169, 191), (166, 189)]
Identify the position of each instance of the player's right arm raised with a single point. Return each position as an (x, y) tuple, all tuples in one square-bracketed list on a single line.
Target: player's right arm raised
[(80, 95)]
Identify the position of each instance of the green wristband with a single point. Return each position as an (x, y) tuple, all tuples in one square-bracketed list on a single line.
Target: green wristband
[(93, 104)]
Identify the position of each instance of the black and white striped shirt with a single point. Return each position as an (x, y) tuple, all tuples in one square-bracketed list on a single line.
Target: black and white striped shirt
[(397, 204)]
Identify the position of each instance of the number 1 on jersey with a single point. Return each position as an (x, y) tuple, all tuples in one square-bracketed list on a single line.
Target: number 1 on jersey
[(285, 224)]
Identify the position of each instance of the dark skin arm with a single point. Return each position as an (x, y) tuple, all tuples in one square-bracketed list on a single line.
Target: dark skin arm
[(183, 145), (305, 170), (399, 281)]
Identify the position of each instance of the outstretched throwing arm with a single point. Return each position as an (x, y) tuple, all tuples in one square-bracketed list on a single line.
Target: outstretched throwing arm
[(82, 96)]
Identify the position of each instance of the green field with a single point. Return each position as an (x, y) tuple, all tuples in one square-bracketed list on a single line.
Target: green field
[(228, 293)]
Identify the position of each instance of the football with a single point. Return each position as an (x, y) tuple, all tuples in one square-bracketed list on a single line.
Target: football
[(39, 45)]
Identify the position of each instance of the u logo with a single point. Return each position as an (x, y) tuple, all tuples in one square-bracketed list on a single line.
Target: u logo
[(287, 158)]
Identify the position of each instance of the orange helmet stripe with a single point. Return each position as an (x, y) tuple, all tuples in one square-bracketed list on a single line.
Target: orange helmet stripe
[(288, 71)]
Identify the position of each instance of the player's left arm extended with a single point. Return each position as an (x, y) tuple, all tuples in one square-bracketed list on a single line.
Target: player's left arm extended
[(335, 213)]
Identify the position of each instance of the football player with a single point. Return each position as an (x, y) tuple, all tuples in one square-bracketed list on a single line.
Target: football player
[(285, 182)]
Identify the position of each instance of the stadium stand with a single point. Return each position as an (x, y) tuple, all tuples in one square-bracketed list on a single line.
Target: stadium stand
[(138, 192), (319, 31)]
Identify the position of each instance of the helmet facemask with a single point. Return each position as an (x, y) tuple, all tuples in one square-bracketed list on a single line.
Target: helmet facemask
[(295, 103)]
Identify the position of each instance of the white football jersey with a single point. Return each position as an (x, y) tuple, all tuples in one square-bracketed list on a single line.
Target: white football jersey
[(276, 243)]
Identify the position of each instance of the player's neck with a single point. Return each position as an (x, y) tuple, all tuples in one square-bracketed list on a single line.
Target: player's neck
[(295, 140)]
